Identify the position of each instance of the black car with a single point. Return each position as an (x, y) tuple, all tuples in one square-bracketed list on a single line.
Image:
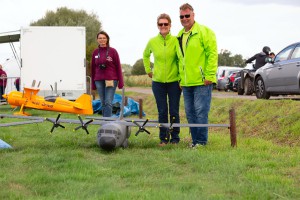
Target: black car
[(235, 83)]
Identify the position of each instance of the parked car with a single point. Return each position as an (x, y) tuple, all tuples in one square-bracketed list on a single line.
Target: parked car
[(230, 81), (245, 80), (236, 82), (281, 76), (222, 75)]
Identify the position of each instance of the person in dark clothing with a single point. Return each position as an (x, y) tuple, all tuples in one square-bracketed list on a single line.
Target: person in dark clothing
[(3, 81), (260, 58), (17, 84)]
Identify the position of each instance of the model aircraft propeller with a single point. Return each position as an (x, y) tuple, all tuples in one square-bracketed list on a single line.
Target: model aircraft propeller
[(170, 129), (55, 122), (141, 128), (83, 125)]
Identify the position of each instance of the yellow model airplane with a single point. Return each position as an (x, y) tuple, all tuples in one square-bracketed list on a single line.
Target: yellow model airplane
[(30, 99)]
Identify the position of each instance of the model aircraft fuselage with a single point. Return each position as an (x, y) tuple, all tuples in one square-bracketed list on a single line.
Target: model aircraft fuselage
[(112, 135), (30, 99)]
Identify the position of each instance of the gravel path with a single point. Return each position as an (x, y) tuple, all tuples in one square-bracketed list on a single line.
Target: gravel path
[(217, 94)]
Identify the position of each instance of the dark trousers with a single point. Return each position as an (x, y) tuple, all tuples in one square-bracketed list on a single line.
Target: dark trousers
[(2, 90), (167, 96)]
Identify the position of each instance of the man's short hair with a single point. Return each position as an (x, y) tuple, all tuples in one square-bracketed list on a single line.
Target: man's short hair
[(186, 6)]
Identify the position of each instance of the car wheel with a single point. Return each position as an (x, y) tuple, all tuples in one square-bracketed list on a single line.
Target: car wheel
[(226, 89), (260, 89), (249, 88), (240, 90)]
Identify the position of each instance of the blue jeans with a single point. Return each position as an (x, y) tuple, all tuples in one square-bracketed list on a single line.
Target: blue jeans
[(106, 95), (167, 96), (197, 101)]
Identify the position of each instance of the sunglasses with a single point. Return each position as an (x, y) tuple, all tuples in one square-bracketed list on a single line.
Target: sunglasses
[(163, 24), (185, 16)]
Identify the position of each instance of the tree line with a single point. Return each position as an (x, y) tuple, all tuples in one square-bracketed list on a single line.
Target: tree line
[(69, 17)]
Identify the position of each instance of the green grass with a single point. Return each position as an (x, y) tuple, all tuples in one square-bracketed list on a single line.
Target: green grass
[(69, 165)]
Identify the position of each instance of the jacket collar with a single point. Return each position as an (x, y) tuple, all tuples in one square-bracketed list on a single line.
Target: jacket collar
[(167, 36)]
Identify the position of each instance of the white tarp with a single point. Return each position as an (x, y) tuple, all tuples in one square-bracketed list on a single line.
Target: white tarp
[(4, 145)]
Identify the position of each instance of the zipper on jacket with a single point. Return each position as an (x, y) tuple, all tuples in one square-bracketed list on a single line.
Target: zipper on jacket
[(165, 59), (181, 48), (187, 41), (202, 74)]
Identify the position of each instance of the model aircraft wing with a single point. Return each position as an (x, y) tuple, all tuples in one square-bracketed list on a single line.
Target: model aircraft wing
[(105, 120), (31, 120), (21, 123), (192, 125), (118, 119), (153, 123)]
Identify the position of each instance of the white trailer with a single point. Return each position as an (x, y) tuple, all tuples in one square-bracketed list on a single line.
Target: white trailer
[(54, 55)]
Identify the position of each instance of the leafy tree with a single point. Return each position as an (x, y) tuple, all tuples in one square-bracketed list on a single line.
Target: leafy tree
[(126, 69), (138, 68), (238, 60), (225, 59), (69, 17)]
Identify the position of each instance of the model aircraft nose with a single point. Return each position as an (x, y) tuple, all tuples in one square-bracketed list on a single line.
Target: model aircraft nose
[(107, 143)]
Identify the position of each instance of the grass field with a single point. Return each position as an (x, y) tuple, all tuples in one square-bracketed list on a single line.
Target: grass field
[(70, 165)]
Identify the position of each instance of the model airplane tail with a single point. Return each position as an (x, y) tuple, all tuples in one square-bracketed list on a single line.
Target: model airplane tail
[(84, 103), (30, 92)]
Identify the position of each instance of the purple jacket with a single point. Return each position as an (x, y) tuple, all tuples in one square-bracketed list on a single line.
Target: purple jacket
[(113, 70)]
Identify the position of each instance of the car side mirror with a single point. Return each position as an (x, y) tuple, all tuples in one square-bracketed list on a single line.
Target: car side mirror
[(269, 60)]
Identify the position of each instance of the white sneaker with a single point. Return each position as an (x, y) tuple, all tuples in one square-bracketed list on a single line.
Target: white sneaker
[(196, 146)]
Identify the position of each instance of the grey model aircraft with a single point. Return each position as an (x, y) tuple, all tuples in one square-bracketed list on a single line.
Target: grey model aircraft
[(115, 132), (112, 133)]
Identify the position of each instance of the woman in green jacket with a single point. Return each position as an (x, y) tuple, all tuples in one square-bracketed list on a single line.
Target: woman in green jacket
[(165, 77)]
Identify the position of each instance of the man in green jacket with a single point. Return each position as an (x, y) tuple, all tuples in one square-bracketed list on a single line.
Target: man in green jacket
[(165, 76), (198, 62)]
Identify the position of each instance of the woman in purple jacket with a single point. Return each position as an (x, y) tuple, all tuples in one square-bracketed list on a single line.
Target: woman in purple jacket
[(3, 80), (106, 72)]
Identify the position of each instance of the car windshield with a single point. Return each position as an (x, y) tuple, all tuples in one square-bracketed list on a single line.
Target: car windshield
[(284, 54), (296, 53)]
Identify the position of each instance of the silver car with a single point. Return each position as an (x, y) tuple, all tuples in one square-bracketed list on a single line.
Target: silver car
[(222, 76), (281, 76)]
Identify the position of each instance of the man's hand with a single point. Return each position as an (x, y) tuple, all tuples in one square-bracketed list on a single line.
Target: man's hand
[(150, 74), (207, 82)]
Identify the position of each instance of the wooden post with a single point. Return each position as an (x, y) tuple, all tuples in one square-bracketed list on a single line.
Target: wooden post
[(232, 127), (140, 108)]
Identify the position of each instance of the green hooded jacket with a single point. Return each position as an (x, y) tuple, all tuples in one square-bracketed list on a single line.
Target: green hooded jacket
[(165, 69), (200, 61)]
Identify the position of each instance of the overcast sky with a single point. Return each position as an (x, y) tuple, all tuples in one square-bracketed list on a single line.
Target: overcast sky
[(241, 26)]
